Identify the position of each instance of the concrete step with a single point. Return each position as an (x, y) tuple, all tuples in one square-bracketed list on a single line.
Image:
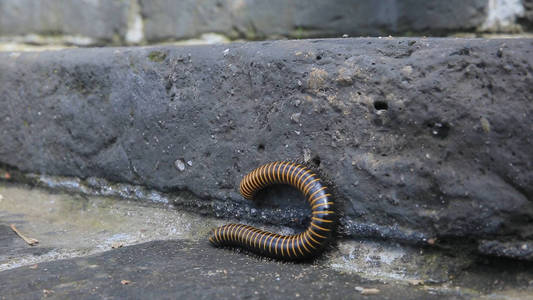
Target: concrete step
[(426, 141)]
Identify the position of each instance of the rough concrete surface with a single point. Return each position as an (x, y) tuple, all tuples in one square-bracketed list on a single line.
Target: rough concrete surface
[(427, 141), (177, 269), (181, 269), (79, 225), (97, 246)]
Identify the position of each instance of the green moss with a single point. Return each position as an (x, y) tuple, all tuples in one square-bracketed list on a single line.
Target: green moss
[(299, 33), (157, 56)]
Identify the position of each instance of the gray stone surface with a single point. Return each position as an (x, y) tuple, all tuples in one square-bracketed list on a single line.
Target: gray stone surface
[(184, 269), (141, 21), (178, 269), (440, 16), (102, 21), (79, 225), (256, 19), (260, 19), (104, 247), (172, 20), (527, 20), (426, 140), (333, 18), (12, 246)]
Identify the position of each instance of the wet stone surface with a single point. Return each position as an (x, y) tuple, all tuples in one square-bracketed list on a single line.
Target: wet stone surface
[(170, 269), (175, 269), (99, 246), (69, 225)]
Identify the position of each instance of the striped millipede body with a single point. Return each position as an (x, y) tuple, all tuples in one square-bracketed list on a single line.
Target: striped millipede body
[(304, 245)]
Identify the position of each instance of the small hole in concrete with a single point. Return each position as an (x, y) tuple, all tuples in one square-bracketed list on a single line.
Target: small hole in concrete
[(261, 148), (316, 161), (318, 57), (439, 129), (381, 105)]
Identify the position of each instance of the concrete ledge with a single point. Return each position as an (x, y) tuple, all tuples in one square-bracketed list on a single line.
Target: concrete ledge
[(185, 269), (427, 140)]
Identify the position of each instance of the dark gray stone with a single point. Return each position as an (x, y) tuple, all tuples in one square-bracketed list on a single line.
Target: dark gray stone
[(12, 246), (180, 269), (257, 19), (106, 22), (171, 20), (527, 19), (507, 249), (424, 139), (436, 16), (103, 21), (315, 18)]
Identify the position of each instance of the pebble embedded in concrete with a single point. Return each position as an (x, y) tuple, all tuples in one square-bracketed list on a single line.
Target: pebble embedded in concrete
[(180, 164)]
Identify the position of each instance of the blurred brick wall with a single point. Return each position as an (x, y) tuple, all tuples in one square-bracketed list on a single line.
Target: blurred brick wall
[(132, 22)]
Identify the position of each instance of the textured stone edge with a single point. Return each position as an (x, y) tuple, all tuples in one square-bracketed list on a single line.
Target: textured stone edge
[(377, 231)]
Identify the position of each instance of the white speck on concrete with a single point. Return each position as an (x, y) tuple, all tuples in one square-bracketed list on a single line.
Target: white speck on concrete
[(296, 117), (180, 164), (307, 155)]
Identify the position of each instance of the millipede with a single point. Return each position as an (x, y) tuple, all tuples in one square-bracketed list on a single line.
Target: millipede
[(304, 245)]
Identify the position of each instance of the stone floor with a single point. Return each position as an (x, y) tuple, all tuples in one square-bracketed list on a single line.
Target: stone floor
[(184, 269), (100, 247)]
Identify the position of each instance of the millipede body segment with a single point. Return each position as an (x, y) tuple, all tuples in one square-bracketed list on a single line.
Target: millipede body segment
[(291, 247)]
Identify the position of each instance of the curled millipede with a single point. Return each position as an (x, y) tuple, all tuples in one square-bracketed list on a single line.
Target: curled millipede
[(304, 245)]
